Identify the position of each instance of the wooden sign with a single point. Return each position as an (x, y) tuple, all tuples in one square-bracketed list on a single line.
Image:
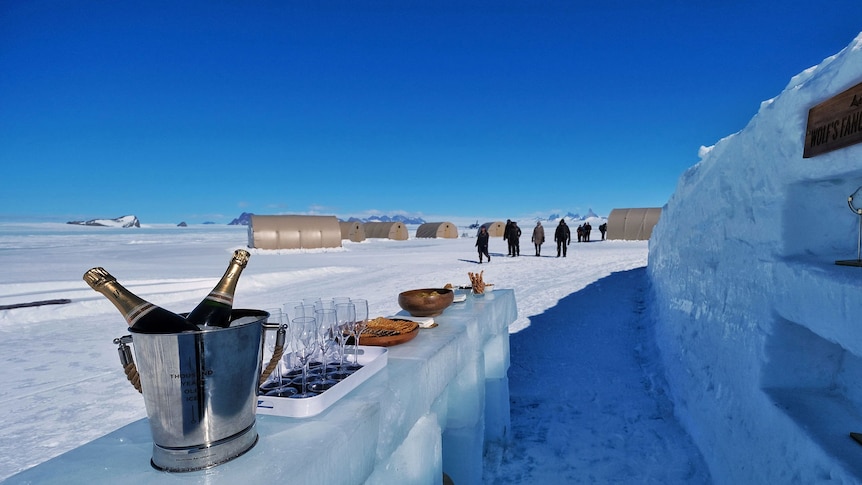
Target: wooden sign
[(835, 123)]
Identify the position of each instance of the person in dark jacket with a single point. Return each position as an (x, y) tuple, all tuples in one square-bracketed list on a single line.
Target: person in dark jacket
[(506, 236), (588, 229), (538, 237), (514, 237), (603, 228), (562, 236), (482, 243)]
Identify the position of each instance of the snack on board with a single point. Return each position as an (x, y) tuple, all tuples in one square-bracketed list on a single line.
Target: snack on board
[(384, 327), (477, 282)]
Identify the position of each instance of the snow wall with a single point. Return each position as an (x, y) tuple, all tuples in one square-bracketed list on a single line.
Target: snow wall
[(760, 331)]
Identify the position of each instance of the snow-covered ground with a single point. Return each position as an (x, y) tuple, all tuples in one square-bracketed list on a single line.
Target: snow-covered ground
[(588, 400)]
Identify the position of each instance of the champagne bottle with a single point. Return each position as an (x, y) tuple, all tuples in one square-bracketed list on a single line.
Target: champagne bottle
[(142, 316), (215, 309)]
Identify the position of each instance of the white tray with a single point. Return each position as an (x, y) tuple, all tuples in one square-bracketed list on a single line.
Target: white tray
[(372, 359)]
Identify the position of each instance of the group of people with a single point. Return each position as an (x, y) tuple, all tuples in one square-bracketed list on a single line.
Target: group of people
[(584, 231), (512, 236)]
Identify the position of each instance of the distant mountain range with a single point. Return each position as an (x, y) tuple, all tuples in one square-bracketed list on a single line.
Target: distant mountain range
[(245, 219), (573, 217), (401, 219)]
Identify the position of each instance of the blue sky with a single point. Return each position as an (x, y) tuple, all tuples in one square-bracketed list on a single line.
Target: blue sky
[(198, 111)]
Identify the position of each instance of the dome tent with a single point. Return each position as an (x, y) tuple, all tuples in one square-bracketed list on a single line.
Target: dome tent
[(632, 224), (386, 230), (495, 229), (294, 232), (353, 230), (437, 229)]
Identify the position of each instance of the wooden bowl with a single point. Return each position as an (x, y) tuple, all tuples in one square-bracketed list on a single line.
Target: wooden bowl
[(427, 302)]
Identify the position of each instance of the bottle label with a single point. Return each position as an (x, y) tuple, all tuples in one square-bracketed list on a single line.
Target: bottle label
[(220, 297), (138, 312)]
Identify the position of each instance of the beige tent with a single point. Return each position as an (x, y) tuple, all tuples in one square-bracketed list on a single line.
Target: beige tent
[(632, 224), (354, 231), (386, 230), (437, 229), (294, 232), (496, 228)]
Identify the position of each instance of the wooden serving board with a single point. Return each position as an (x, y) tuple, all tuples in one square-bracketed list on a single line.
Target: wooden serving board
[(369, 337), (388, 340)]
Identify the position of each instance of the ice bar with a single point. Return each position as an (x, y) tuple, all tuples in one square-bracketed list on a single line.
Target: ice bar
[(439, 401)]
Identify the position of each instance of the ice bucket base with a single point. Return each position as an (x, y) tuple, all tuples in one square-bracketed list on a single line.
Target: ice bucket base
[(192, 458)]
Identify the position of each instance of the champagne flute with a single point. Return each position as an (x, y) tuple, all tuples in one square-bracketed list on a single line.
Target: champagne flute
[(325, 338), (303, 310), (292, 366), (322, 304), (337, 300), (319, 367), (307, 310), (345, 317), (291, 363), (289, 310), (361, 307), (304, 335)]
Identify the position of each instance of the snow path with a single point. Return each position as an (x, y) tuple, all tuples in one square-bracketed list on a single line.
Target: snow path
[(595, 400)]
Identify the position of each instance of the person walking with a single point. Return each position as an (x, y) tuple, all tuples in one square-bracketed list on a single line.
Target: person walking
[(538, 237), (482, 243), (562, 236), (515, 238), (603, 228)]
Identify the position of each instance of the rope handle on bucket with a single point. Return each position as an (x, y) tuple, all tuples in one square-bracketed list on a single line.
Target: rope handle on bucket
[(131, 370), (127, 361), (277, 352)]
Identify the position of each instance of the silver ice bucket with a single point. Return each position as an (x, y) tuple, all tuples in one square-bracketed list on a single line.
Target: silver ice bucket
[(200, 389)]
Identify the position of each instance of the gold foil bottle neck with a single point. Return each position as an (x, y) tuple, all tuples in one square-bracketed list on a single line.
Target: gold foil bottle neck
[(241, 257), (98, 276)]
